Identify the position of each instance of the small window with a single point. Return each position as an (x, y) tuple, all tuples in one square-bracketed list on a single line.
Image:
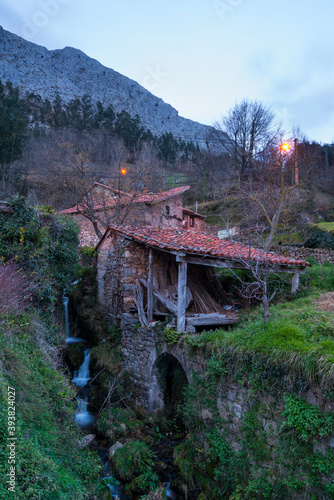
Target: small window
[(191, 222), (167, 210)]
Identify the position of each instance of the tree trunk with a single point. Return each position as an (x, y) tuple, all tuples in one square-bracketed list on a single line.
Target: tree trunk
[(265, 302)]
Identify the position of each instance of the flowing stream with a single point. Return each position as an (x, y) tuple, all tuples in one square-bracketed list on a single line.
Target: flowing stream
[(86, 419), (67, 324), (68, 338)]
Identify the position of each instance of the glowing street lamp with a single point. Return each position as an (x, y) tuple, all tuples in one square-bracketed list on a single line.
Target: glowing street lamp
[(285, 146), (123, 171)]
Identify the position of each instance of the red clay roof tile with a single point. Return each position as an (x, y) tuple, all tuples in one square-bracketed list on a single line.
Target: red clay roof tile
[(200, 243), (149, 198)]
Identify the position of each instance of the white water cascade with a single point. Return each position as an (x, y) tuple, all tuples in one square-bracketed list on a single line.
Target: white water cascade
[(67, 324), (68, 339), (83, 417), (82, 376)]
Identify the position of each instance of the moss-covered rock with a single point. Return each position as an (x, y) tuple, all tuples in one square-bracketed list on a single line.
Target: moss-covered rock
[(134, 459), (75, 356)]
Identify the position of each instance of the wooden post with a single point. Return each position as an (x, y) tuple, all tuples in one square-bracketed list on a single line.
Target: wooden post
[(295, 283), (139, 301), (181, 297), (150, 286)]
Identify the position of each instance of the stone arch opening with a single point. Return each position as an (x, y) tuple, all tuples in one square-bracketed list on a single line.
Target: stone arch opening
[(169, 381)]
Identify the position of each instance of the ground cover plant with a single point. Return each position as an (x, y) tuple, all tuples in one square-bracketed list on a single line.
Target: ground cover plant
[(39, 259), (252, 432), (48, 461)]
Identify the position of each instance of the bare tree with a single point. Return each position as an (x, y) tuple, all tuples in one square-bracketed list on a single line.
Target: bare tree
[(103, 196), (266, 196), (249, 131)]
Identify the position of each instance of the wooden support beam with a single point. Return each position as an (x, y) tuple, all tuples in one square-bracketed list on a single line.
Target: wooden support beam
[(150, 286), (166, 302), (295, 283), (229, 264), (139, 301), (181, 296), (210, 319)]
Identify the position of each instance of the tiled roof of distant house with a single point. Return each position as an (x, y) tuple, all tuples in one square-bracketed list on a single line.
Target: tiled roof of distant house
[(199, 243), (126, 198), (193, 214)]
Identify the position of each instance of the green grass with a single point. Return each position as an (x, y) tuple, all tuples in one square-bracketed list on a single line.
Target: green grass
[(49, 464), (299, 337), (175, 179), (326, 226), (134, 459)]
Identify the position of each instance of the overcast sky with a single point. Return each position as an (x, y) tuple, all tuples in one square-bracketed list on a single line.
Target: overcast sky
[(202, 56)]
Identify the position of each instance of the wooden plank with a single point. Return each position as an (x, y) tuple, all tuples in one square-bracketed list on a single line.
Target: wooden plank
[(211, 319), (295, 283), (228, 264), (166, 302), (181, 296), (139, 301), (150, 286)]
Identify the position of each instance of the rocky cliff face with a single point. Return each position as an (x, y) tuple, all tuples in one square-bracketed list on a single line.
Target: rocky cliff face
[(71, 73)]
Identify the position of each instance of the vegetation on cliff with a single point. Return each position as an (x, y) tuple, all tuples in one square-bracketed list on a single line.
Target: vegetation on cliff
[(252, 430), (39, 252)]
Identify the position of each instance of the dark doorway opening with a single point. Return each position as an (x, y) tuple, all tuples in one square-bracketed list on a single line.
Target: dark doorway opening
[(172, 381)]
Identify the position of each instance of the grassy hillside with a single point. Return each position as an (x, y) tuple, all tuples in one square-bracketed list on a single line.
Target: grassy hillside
[(252, 431), (48, 462), (39, 440)]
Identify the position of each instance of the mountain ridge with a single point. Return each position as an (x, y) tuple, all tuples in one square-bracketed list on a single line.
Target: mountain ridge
[(70, 73)]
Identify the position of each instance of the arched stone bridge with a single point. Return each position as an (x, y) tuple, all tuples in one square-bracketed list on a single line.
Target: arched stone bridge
[(152, 364)]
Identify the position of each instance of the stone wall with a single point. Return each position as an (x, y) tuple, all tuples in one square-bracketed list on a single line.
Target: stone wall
[(139, 214), (141, 348), (319, 254), (87, 235), (120, 264), (158, 215), (193, 223), (235, 399)]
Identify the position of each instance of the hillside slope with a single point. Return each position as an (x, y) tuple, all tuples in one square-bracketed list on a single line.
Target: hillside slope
[(71, 73)]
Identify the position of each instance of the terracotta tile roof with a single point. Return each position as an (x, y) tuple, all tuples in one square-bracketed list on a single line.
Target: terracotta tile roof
[(148, 198), (193, 214), (152, 198), (200, 243)]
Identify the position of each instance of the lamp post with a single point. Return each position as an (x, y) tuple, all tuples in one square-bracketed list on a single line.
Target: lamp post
[(286, 147), (295, 162)]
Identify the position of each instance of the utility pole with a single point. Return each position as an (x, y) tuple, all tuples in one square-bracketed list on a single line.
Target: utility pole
[(295, 155)]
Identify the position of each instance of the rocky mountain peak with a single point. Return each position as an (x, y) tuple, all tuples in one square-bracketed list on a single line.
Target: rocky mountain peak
[(71, 73)]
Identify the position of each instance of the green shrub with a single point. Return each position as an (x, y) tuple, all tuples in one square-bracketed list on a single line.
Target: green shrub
[(45, 245), (321, 235), (118, 421), (49, 462), (134, 459), (305, 419), (144, 483)]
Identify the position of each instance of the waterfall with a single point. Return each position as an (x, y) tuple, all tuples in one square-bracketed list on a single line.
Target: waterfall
[(76, 321), (67, 324), (83, 417), (82, 375), (68, 339)]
